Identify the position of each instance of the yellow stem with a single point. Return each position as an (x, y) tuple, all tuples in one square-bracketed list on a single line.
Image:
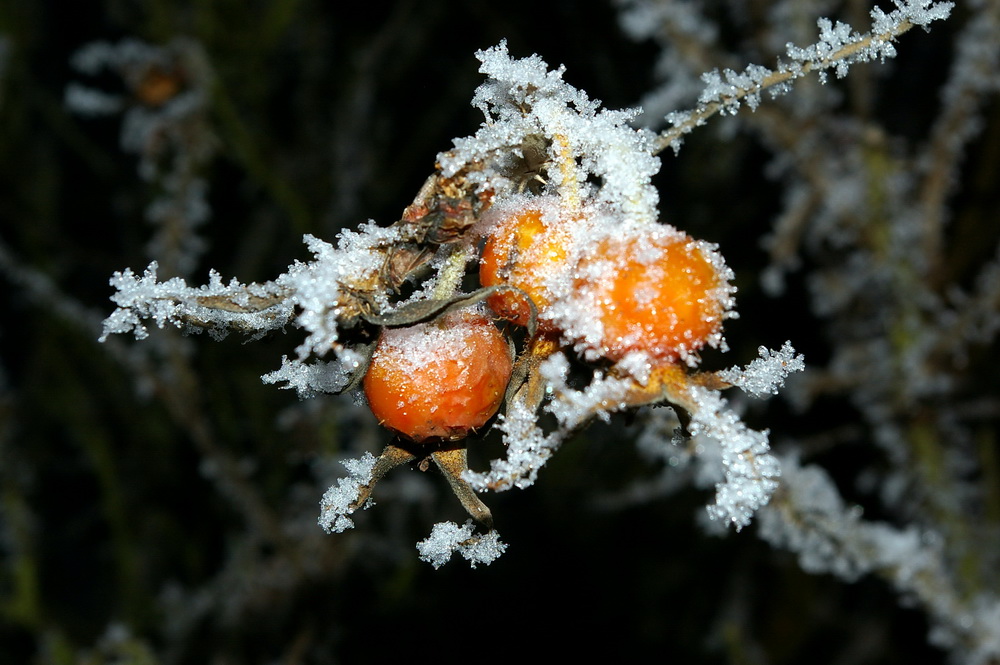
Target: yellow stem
[(570, 189)]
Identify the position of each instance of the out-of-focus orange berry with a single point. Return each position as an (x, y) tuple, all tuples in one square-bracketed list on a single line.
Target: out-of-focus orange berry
[(657, 291), (526, 249), (158, 86), (439, 380)]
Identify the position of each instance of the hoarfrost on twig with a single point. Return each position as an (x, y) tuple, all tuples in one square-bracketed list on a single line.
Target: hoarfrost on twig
[(216, 306), (336, 503), (528, 449), (838, 48), (749, 471), (447, 538), (762, 377)]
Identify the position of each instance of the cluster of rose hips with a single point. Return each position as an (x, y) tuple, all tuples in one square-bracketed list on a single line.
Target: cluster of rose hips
[(648, 290)]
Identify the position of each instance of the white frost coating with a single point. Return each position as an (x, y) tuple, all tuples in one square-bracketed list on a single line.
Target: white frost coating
[(315, 378), (762, 377), (729, 87), (750, 470), (981, 622), (317, 287), (636, 364), (522, 100), (832, 38), (736, 459), (605, 249), (528, 448), (602, 396), (93, 57), (812, 520), (447, 538), (173, 301), (831, 537), (835, 36), (336, 502), (89, 102), (917, 12), (838, 47)]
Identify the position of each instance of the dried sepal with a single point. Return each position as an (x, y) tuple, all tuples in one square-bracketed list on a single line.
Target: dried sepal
[(418, 311)]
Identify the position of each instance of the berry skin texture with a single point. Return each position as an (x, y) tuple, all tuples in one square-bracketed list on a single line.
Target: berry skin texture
[(658, 292), (525, 250), (439, 380)]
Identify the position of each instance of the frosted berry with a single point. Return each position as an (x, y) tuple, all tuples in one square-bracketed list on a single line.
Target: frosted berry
[(439, 380), (657, 291), (526, 249)]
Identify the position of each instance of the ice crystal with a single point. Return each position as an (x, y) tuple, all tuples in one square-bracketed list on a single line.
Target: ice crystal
[(319, 286), (447, 538), (315, 378), (528, 448), (336, 502), (762, 377), (749, 471), (191, 308), (522, 99)]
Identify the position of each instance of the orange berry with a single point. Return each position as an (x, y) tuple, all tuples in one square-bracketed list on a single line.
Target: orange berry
[(158, 86), (439, 380), (656, 290), (526, 249)]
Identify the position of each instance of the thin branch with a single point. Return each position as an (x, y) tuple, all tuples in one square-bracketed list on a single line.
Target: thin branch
[(784, 74)]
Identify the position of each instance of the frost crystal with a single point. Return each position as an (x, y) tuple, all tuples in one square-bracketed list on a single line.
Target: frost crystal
[(811, 519), (316, 378), (574, 407), (830, 537), (336, 503), (216, 307), (749, 470), (447, 538), (319, 287), (528, 448), (524, 101), (764, 376), (917, 12), (838, 48)]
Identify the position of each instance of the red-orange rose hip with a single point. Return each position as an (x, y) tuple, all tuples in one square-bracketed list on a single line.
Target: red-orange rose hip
[(524, 251), (439, 380), (659, 292)]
